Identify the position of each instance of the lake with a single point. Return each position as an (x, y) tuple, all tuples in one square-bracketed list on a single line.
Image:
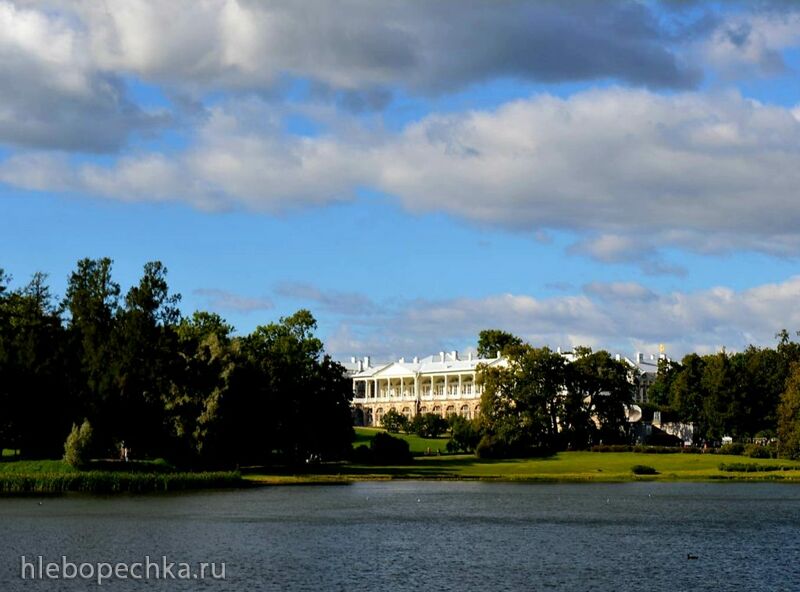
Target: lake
[(422, 536)]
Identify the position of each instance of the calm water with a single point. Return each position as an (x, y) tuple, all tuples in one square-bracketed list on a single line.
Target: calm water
[(427, 536)]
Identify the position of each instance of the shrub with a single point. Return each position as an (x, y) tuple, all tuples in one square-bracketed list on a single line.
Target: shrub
[(465, 434), (732, 448), (386, 449), (611, 448), (751, 468), (429, 425), (758, 451), (394, 421), (76, 448), (643, 470), (361, 454), (494, 447)]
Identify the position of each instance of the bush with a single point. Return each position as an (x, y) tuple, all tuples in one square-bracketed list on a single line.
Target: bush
[(465, 434), (491, 447), (611, 448), (494, 447), (394, 421), (386, 449), (76, 448), (643, 470), (751, 468), (429, 425), (732, 448), (361, 454), (758, 451)]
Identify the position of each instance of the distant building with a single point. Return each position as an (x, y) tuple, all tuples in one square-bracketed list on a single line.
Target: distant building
[(443, 384)]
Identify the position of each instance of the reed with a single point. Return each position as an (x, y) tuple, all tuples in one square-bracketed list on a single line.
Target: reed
[(115, 482)]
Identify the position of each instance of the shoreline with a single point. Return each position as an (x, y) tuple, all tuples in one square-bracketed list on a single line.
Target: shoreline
[(564, 467)]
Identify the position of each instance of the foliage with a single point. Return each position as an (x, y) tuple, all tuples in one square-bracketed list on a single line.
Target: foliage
[(185, 389), (394, 421), (464, 434), (494, 341), (599, 389), (387, 449), (114, 482), (428, 425), (759, 451), (752, 468), (78, 445), (643, 470), (521, 402), (735, 448), (789, 416)]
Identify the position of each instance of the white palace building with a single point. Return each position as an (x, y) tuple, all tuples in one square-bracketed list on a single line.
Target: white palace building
[(443, 384)]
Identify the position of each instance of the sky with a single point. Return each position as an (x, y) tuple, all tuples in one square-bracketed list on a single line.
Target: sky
[(613, 174)]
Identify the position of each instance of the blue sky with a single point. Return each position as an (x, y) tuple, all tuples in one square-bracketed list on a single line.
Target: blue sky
[(617, 174)]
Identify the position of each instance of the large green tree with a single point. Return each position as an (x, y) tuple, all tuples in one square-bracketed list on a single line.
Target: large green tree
[(521, 402), (494, 341), (789, 416), (599, 389)]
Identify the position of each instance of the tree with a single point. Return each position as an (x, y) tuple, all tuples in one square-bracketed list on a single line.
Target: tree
[(492, 341), (35, 383), (599, 390), (146, 364), (394, 421), (521, 402), (464, 434), (78, 445), (428, 425), (789, 416), (92, 301)]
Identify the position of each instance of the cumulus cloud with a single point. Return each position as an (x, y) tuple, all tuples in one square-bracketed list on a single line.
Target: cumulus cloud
[(239, 157), (52, 95), (357, 45), (621, 317), (628, 171), (748, 44)]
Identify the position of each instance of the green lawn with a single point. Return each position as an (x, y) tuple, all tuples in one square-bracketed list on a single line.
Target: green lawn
[(565, 466), (35, 466), (419, 446)]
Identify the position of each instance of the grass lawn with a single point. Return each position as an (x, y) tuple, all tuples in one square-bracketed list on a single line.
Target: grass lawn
[(418, 445), (35, 466), (565, 466)]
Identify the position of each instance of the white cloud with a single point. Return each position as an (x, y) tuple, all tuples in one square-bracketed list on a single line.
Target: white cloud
[(360, 45), (623, 318), (748, 44), (53, 95), (628, 171)]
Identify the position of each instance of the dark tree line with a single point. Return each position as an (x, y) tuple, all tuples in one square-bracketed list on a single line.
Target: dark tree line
[(543, 401), (724, 394), (182, 388)]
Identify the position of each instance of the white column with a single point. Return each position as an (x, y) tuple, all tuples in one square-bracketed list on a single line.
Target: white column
[(401, 387), (377, 390), (445, 386), (460, 392)]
